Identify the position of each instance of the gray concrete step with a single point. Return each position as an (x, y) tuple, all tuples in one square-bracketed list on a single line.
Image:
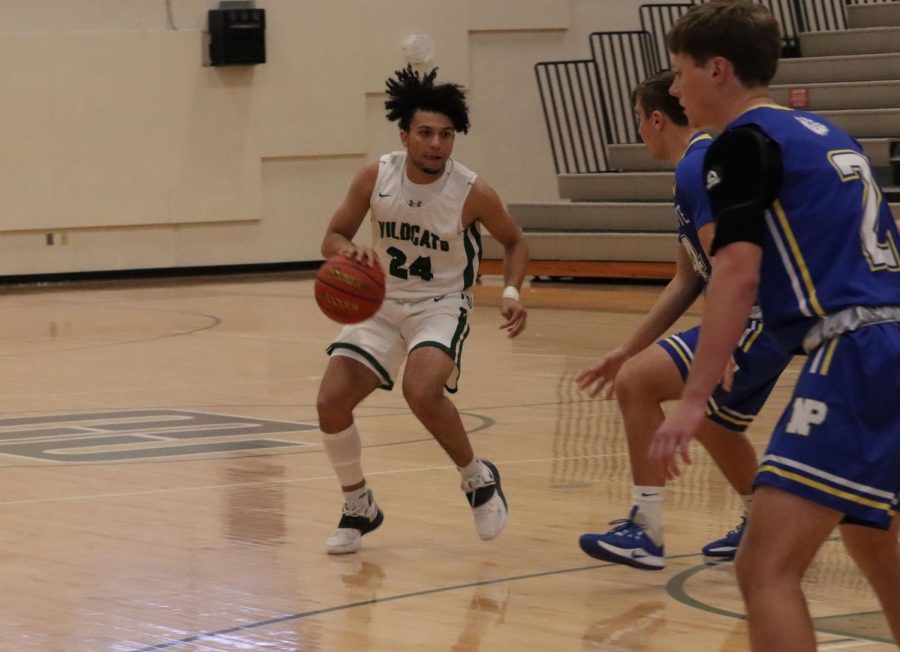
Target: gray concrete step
[(867, 123), (874, 15), (879, 150), (600, 244), (860, 67), (656, 185), (844, 95), (867, 40), (616, 186), (636, 157), (638, 247), (593, 216)]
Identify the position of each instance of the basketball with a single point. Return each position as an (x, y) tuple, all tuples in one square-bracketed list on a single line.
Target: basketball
[(348, 291)]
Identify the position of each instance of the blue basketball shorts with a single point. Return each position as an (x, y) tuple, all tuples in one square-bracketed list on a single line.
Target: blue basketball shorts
[(759, 364), (838, 441)]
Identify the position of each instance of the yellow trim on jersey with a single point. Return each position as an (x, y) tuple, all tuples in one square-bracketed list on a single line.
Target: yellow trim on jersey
[(765, 105), (738, 422), (824, 488), (698, 138), (798, 258), (701, 135), (751, 338), (829, 354), (679, 349)]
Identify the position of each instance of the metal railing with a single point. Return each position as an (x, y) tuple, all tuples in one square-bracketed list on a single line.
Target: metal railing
[(825, 15), (587, 103), (623, 60), (574, 114), (657, 19)]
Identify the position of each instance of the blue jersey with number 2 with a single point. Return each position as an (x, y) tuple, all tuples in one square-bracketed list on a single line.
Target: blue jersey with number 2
[(831, 240)]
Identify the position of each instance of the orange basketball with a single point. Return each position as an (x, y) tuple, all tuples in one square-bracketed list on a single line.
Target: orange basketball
[(348, 291)]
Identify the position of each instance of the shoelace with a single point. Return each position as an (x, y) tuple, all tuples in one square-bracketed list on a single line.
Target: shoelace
[(626, 523), (627, 528), (361, 511), (473, 484), (737, 528)]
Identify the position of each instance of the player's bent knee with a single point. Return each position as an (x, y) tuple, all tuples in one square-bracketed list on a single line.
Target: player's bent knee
[(631, 383), (334, 409), (421, 399)]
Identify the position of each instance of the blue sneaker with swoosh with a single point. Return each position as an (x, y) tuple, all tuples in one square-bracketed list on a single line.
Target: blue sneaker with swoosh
[(726, 547), (627, 543)]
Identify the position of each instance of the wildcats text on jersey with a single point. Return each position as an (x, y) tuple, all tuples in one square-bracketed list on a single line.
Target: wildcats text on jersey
[(412, 233)]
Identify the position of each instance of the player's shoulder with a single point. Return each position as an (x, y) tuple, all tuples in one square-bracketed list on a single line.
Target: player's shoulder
[(480, 193), (738, 143), (462, 173), (366, 177), (689, 169)]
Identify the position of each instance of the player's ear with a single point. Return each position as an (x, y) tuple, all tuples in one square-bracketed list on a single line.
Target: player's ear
[(657, 119), (717, 67)]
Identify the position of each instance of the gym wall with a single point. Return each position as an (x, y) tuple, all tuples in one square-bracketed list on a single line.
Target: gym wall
[(131, 153)]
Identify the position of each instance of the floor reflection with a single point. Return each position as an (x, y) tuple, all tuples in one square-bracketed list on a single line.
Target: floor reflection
[(255, 505), (630, 631), (487, 609)]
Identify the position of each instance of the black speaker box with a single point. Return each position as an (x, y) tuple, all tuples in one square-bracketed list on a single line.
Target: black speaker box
[(237, 36)]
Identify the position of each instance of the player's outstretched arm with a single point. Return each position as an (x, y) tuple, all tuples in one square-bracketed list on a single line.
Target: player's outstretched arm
[(349, 215), (673, 301), (484, 205), (729, 298)]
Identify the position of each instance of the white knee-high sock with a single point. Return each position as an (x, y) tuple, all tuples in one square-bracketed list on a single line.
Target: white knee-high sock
[(649, 501), (344, 450)]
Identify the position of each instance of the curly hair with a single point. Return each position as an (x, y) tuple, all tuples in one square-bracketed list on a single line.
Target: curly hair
[(410, 92)]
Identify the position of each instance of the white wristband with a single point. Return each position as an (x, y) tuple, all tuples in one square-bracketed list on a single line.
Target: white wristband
[(510, 292)]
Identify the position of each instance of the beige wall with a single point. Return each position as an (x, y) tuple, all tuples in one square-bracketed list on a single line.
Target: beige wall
[(116, 139)]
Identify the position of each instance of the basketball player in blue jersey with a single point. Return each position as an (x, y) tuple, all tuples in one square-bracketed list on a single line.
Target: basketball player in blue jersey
[(800, 219), (426, 211), (645, 376)]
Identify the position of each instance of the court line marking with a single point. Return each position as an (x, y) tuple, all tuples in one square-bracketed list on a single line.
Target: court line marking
[(842, 643), (213, 319), (173, 643), (315, 478), (675, 587), (677, 594)]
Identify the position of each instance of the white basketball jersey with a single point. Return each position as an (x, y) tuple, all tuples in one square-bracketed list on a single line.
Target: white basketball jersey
[(419, 236)]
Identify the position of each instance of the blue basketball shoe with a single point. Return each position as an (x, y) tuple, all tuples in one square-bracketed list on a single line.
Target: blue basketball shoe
[(627, 543), (726, 547)]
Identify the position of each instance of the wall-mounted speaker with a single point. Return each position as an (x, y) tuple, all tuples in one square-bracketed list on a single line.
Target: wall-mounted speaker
[(237, 36)]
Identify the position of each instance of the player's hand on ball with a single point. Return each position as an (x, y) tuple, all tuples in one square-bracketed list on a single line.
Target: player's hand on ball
[(348, 290), (361, 254)]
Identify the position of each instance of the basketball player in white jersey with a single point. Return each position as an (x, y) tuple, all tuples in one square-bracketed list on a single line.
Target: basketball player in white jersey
[(426, 211)]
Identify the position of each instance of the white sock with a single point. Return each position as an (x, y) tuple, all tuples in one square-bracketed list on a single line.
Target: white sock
[(472, 469), (344, 450), (358, 499), (649, 501)]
